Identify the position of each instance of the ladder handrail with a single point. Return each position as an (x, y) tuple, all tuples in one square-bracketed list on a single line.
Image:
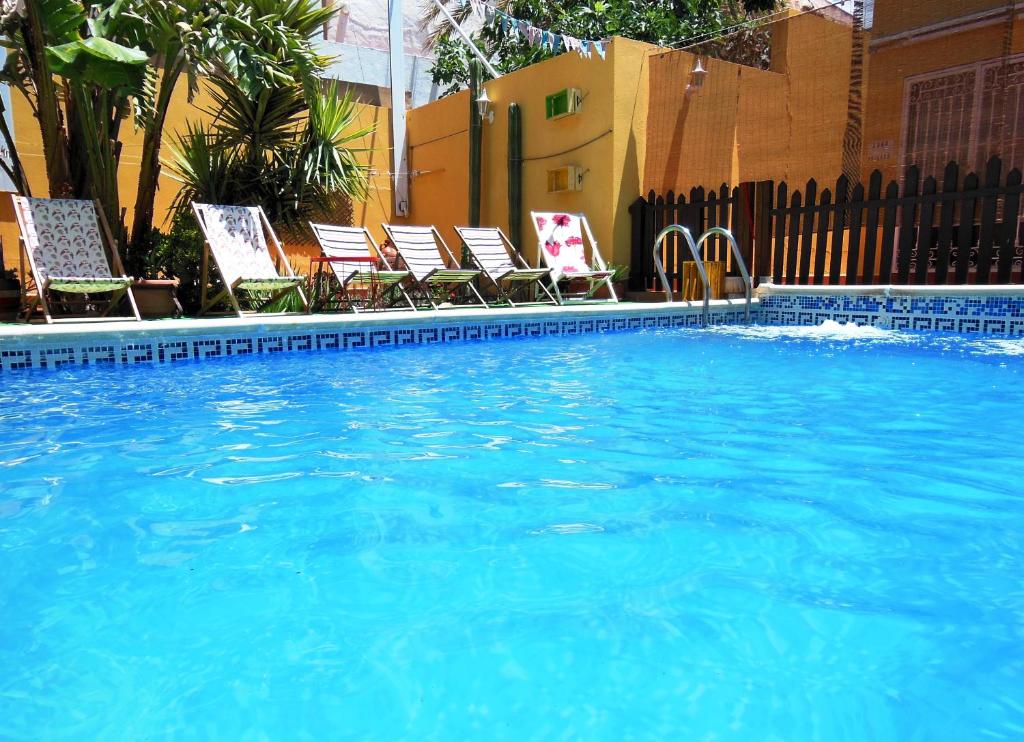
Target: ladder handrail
[(696, 259), (696, 250), (739, 261)]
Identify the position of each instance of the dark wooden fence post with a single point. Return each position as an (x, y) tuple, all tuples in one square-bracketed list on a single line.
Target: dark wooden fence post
[(908, 212), (950, 180), (637, 214), (835, 267), (986, 236), (761, 263), (965, 232), (778, 250), (1008, 228)]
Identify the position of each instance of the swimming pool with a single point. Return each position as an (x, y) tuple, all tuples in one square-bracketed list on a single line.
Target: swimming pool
[(741, 533)]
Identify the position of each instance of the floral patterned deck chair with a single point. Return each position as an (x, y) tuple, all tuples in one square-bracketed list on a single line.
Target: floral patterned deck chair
[(560, 245), (64, 242), (235, 237)]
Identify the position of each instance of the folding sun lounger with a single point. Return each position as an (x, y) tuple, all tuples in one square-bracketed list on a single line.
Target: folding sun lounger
[(421, 250), (560, 244), (64, 243), (503, 266), (235, 237), (355, 257)]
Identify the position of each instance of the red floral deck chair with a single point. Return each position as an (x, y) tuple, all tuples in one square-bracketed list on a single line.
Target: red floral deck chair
[(235, 237), (560, 245), (64, 242)]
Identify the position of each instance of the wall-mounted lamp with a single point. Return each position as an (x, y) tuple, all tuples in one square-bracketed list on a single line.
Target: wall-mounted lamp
[(483, 106), (697, 75)]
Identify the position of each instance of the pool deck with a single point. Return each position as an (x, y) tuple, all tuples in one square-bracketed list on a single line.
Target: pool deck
[(38, 346), (402, 318)]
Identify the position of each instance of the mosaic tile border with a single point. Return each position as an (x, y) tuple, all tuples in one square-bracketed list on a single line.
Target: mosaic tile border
[(988, 315), (109, 349)]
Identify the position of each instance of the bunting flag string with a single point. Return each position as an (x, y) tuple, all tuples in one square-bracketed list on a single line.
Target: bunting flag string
[(535, 36)]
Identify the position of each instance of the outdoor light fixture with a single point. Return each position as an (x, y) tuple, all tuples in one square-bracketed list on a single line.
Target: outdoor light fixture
[(483, 105), (697, 75)]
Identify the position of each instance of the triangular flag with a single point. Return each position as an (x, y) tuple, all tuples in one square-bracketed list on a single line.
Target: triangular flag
[(599, 48)]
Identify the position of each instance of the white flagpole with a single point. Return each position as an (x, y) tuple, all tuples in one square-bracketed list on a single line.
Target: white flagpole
[(399, 166), (467, 41)]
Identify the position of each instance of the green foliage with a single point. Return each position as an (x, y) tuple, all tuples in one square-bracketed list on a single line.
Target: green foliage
[(662, 22), (619, 272), (290, 151), (100, 62), (177, 254)]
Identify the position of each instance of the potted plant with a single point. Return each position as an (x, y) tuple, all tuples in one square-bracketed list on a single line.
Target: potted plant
[(620, 279), (10, 293), (620, 274), (170, 264)]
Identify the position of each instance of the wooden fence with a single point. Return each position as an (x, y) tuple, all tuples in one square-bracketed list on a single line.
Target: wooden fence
[(967, 231)]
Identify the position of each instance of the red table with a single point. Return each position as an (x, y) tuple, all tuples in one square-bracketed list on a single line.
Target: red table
[(320, 282)]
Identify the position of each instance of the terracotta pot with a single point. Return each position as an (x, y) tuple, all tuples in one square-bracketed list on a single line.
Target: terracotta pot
[(157, 297), (621, 287)]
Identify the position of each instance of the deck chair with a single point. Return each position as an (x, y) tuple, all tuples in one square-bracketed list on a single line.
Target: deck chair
[(356, 244), (502, 264), (431, 262), (560, 246), (64, 242), (235, 237)]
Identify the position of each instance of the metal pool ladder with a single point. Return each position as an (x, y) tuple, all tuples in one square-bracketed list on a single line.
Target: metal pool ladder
[(695, 251)]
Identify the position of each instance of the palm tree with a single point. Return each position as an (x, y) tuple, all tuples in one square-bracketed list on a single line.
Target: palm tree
[(240, 43), (290, 151)]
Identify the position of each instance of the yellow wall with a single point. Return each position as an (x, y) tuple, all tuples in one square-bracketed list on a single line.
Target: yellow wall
[(601, 139), (26, 132), (438, 159)]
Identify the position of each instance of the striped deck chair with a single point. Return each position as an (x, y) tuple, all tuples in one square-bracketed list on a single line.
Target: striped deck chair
[(431, 262), (560, 245), (235, 237), (502, 264), (64, 242), (356, 243)]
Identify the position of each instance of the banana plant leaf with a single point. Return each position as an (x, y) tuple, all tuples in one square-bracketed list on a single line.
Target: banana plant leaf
[(100, 62)]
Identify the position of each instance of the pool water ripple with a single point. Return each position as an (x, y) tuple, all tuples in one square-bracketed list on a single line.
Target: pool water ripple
[(740, 533)]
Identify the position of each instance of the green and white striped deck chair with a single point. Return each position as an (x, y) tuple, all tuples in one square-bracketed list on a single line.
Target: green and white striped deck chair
[(356, 242), (64, 242), (235, 237), (431, 262), (560, 244), (502, 265)]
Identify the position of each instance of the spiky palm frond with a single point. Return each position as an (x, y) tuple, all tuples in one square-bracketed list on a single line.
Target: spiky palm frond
[(328, 158), (208, 173)]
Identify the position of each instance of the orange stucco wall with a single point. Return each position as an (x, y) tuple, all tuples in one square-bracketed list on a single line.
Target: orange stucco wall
[(894, 61), (786, 123)]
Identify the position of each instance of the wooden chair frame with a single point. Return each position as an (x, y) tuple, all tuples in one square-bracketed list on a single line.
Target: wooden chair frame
[(437, 276), (113, 257), (375, 250), (534, 277), (230, 289)]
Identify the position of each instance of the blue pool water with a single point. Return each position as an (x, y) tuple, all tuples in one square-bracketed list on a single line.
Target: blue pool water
[(729, 534)]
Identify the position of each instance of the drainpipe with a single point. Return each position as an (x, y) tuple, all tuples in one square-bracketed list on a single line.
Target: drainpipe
[(515, 176), (476, 131)]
